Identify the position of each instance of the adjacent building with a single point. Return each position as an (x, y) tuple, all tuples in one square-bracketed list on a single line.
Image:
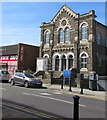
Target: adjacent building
[(18, 57), (72, 40)]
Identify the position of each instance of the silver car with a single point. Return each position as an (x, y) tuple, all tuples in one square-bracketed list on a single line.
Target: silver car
[(4, 75), (26, 79)]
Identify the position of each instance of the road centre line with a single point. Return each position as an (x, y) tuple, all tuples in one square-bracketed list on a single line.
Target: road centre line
[(53, 99)]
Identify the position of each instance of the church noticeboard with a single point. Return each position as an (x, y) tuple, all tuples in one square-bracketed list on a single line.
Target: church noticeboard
[(67, 73)]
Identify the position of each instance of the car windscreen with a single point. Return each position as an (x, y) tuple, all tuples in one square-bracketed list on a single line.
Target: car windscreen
[(29, 75), (4, 72)]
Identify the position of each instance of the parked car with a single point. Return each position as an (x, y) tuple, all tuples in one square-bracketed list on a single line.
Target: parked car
[(26, 79), (4, 75)]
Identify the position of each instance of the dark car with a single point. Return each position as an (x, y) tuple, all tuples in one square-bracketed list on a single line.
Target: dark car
[(4, 75), (25, 79)]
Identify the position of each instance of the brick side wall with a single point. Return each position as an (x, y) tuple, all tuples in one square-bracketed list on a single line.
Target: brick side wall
[(29, 55)]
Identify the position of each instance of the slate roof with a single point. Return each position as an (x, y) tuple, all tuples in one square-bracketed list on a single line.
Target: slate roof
[(9, 50)]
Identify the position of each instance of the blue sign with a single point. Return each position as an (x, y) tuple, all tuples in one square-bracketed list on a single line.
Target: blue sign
[(67, 73)]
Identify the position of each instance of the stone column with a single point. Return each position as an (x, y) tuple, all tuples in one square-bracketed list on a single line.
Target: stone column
[(67, 63), (59, 64)]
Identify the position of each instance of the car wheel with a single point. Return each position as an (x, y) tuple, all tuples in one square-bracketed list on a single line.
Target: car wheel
[(26, 84), (12, 82)]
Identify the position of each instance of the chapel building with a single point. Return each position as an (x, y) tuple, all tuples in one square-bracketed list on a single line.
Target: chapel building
[(72, 40)]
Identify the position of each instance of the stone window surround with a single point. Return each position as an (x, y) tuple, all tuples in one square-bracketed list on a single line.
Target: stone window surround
[(46, 56), (60, 59), (80, 29), (45, 36), (64, 33), (84, 69)]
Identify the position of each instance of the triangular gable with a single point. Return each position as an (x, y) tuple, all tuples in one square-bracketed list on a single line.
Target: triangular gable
[(68, 11)]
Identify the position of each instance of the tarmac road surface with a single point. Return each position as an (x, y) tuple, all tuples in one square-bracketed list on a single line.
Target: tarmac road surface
[(54, 102)]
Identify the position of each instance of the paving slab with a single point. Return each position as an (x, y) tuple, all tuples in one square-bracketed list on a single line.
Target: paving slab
[(102, 95)]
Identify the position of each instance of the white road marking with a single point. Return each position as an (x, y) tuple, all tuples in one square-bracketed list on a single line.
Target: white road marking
[(53, 99), (26, 93), (3, 88), (45, 94), (57, 93)]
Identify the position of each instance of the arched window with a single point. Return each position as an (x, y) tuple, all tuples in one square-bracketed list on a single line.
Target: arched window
[(46, 56), (99, 38), (47, 37), (61, 36), (106, 41), (67, 34), (83, 60), (70, 61), (63, 61), (57, 63), (84, 31)]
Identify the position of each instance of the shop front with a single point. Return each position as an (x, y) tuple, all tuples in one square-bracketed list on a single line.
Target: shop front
[(9, 62)]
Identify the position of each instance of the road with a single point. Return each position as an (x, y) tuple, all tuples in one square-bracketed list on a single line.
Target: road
[(52, 102)]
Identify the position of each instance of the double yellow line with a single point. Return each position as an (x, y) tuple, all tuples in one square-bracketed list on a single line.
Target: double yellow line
[(31, 111)]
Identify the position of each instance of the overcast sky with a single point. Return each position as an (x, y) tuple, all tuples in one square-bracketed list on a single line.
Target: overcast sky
[(21, 20)]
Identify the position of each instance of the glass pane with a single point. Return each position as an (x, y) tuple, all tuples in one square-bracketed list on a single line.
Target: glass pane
[(99, 38), (70, 63), (63, 63), (61, 36), (67, 34), (57, 63), (47, 38), (84, 31)]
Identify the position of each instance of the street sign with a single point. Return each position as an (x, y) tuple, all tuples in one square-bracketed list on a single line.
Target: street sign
[(67, 73)]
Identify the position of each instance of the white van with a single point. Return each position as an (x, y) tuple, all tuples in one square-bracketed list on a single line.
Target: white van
[(4, 75)]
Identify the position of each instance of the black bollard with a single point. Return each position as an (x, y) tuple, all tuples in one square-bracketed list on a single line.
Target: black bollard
[(76, 108), (81, 82), (62, 83), (70, 84)]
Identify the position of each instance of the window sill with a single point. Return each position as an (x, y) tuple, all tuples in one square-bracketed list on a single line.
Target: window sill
[(83, 69)]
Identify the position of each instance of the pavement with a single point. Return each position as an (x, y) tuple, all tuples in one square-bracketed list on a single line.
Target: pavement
[(101, 95)]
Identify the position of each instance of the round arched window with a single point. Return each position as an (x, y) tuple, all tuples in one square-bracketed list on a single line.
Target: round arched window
[(70, 61), (57, 63), (67, 34), (84, 31), (47, 37), (63, 66), (83, 60), (61, 36)]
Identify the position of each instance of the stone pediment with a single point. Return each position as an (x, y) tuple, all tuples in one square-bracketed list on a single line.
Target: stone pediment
[(64, 8)]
